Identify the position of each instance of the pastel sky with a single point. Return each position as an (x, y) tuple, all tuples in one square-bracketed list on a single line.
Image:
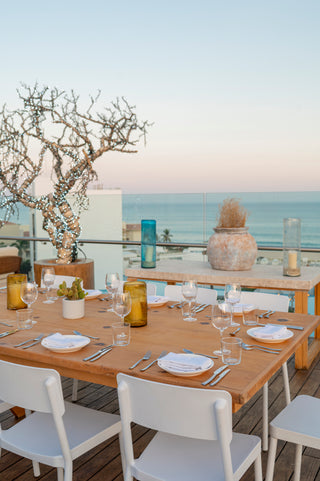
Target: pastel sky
[(232, 87)]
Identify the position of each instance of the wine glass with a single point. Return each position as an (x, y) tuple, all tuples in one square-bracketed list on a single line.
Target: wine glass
[(29, 294), (122, 304), (232, 293), (112, 286), (220, 320), (47, 280), (189, 291)]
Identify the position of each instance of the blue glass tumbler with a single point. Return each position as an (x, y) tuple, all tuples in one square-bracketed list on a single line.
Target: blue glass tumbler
[(148, 243)]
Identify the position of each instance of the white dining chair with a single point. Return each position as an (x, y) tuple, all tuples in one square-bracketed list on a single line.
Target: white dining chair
[(298, 423), (194, 439), (56, 432), (58, 279), (280, 303), (204, 295)]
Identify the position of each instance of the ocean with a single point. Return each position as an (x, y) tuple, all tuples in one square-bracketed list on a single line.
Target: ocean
[(191, 217)]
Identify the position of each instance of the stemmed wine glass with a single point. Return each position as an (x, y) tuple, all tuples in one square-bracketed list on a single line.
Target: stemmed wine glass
[(232, 293), (112, 286), (122, 304), (189, 291), (29, 294), (220, 320), (47, 280)]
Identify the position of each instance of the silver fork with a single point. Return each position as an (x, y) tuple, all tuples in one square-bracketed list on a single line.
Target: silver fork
[(263, 347), (153, 362), (34, 343), (77, 333), (144, 358), (30, 340), (254, 348)]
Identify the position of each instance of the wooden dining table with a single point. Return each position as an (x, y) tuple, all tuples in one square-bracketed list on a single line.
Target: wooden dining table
[(165, 330)]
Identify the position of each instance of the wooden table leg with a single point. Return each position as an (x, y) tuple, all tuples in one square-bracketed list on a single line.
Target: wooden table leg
[(305, 354)]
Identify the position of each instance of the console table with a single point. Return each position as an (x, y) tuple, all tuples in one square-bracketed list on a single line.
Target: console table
[(259, 277)]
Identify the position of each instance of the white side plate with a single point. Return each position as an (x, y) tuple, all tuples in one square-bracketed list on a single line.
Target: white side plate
[(78, 343), (254, 333)]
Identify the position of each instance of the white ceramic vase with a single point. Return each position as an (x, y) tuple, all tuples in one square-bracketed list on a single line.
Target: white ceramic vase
[(72, 309)]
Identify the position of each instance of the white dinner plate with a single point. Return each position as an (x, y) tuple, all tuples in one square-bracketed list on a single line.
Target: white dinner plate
[(184, 358), (254, 333), (79, 343), (92, 293), (157, 301)]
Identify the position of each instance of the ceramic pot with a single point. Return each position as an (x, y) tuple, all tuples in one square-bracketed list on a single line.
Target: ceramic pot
[(72, 309), (232, 249)]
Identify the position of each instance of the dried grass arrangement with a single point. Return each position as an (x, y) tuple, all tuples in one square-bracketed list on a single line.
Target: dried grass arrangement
[(232, 214)]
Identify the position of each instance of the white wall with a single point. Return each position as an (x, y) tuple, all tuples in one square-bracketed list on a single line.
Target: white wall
[(102, 220)]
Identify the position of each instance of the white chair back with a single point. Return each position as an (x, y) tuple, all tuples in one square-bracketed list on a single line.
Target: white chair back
[(28, 387), (204, 296), (174, 409), (262, 300), (59, 279)]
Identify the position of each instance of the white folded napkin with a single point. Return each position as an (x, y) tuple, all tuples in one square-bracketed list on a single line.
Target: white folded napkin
[(184, 362), (272, 332), (58, 340), (156, 299)]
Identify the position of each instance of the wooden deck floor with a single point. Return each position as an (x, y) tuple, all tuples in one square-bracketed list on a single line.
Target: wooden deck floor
[(103, 463)]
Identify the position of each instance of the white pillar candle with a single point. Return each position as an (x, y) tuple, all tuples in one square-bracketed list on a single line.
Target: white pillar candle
[(149, 254), (292, 260)]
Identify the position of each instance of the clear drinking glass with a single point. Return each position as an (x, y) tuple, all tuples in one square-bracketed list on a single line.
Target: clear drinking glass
[(221, 320), (232, 294), (29, 294), (122, 304), (189, 291), (47, 280), (112, 286)]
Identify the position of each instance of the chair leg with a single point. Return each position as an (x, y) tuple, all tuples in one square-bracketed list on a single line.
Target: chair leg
[(297, 464), (36, 469), (75, 390), (271, 459), (123, 458), (258, 469), (265, 418), (286, 382), (60, 474), (68, 471)]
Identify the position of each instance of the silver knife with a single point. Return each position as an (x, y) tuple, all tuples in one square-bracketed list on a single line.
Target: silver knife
[(220, 377), (298, 328), (97, 353), (152, 363), (202, 308), (100, 355), (216, 372), (7, 333)]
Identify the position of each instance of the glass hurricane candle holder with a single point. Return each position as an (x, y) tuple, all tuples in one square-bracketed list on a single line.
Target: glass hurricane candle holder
[(14, 282), (138, 292), (148, 243), (291, 247)]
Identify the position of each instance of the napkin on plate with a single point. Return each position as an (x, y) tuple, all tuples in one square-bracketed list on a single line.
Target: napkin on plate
[(271, 332), (184, 362), (58, 340), (156, 299)]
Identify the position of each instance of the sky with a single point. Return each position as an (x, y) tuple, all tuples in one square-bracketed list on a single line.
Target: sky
[(231, 87)]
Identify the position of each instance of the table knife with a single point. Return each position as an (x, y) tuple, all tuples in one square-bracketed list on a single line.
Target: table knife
[(220, 377), (298, 328), (216, 372), (97, 353), (100, 355), (7, 333)]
